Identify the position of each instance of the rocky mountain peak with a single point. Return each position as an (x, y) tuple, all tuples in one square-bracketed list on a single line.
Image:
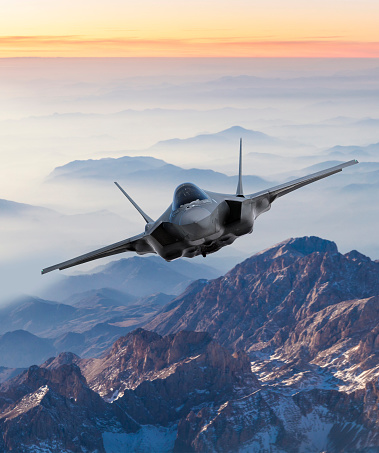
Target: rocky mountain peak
[(64, 358), (354, 255), (151, 346), (65, 379), (138, 337), (301, 246), (55, 407), (142, 355), (301, 316), (281, 301)]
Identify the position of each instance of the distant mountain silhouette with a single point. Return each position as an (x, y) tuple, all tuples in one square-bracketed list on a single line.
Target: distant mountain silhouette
[(357, 152), (8, 373), (12, 208), (123, 169), (105, 297), (106, 167), (21, 348), (34, 314), (135, 276), (88, 327), (229, 137)]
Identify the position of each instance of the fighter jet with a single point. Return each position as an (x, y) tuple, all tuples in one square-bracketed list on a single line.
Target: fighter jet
[(199, 222)]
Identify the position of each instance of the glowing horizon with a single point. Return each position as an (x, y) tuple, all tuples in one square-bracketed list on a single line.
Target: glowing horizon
[(78, 46), (198, 29)]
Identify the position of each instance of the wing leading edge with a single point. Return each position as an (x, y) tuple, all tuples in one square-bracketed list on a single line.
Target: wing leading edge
[(283, 189), (137, 244)]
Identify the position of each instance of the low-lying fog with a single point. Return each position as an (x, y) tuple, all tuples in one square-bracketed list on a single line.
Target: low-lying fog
[(190, 113)]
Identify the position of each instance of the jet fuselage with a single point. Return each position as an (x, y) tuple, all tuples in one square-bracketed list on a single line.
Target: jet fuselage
[(201, 226), (199, 222)]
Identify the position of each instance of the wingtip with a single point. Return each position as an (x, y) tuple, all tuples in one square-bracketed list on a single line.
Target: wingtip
[(49, 269)]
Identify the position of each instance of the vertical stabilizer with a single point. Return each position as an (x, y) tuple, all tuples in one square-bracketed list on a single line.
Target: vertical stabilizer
[(143, 214), (239, 191)]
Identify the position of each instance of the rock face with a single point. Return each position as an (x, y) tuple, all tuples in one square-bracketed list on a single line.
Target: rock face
[(316, 420), (300, 301), (169, 368), (181, 393), (279, 355), (145, 379), (57, 410)]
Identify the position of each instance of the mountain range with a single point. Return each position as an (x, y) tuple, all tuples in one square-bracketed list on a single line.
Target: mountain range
[(10, 208), (142, 171), (228, 137), (208, 150), (41, 329), (161, 174), (93, 309), (34, 329), (357, 152), (280, 354), (136, 276)]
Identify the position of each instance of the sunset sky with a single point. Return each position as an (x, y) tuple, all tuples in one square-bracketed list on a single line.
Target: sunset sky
[(115, 28)]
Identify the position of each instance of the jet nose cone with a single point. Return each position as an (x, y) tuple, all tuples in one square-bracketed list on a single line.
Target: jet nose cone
[(192, 215)]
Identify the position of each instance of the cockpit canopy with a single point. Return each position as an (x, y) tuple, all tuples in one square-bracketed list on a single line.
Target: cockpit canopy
[(187, 193)]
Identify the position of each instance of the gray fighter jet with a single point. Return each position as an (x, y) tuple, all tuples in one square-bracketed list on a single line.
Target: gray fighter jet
[(199, 222)]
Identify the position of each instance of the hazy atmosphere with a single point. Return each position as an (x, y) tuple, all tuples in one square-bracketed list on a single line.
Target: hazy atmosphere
[(262, 342), (187, 115)]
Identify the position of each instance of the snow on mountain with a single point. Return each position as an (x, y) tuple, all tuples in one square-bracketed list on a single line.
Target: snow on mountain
[(179, 393), (280, 354), (54, 410), (300, 305)]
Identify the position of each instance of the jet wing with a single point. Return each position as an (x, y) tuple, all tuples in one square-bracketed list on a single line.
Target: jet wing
[(137, 244), (283, 189)]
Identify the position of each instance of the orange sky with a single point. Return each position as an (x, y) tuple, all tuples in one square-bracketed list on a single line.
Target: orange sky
[(242, 28)]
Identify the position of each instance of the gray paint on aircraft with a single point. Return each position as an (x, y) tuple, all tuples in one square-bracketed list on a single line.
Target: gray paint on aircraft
[(199, 222)]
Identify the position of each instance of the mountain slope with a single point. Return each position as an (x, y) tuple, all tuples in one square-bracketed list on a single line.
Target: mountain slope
[(22, 349), (305, 314), (35, 329), (135, 276), (294, 301), (228, 137), (171, 370), (139, 175), (179, 393), (13, 209), (54, 409), (35, 315)]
